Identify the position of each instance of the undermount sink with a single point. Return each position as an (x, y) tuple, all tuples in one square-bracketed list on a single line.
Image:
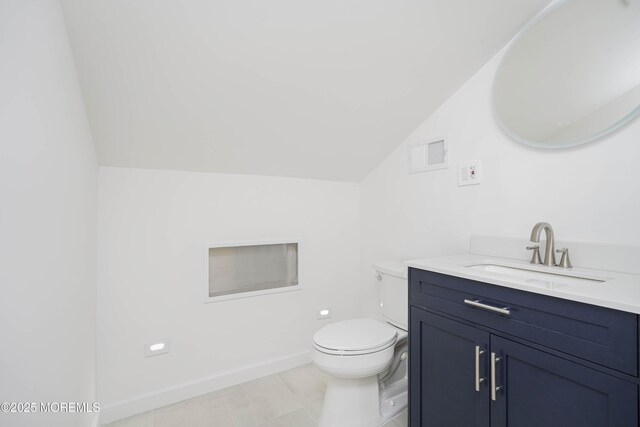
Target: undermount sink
[(537, 277)]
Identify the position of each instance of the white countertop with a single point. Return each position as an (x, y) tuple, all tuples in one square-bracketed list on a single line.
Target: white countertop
[(620, 291)]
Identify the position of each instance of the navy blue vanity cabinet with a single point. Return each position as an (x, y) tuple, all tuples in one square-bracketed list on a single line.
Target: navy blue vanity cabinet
[(443, 389), (538, 389), (536, 361)]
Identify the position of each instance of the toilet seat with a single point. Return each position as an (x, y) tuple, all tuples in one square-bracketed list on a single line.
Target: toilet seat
[(352, 352), (355, 337)]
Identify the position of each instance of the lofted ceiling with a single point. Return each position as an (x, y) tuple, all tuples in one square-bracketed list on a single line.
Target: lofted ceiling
[(312, 89)]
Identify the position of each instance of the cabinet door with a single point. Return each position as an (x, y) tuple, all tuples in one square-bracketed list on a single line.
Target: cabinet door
[(442, 380), (537, 389)]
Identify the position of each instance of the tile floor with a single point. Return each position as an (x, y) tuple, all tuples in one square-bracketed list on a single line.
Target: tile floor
[(289, 399)]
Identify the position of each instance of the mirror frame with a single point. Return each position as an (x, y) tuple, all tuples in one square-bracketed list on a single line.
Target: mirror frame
[(607, 131)]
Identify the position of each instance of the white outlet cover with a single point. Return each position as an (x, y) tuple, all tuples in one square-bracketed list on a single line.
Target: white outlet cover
[(470, 173)]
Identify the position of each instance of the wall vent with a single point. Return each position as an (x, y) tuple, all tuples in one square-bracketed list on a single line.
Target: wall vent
[(428, 155)]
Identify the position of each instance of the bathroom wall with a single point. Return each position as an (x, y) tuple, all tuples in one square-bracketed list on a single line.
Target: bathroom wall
[(47, 219), (153, 226), (588, 193)]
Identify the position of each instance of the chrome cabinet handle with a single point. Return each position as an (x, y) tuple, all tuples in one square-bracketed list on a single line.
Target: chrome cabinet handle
[(478, 379), (494, 389), (477, 303)]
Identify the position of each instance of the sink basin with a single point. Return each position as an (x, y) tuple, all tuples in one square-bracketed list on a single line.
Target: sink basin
[(532, 276)]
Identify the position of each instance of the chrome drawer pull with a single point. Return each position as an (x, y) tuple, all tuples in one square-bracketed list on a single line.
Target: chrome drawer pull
[(478, 304), (478, 379)]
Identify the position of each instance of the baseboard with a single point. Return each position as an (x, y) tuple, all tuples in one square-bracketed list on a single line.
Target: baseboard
[(157, 399)]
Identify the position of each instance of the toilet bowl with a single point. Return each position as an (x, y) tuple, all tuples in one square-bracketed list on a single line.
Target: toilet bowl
[(365, 360)]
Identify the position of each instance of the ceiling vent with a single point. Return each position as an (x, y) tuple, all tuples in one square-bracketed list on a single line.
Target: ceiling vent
[(428, 155)]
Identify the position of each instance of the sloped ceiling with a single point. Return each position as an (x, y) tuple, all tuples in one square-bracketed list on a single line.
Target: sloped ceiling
[(313, 89)]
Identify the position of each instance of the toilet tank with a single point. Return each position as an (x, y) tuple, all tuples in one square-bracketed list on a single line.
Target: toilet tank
[(393, 292)]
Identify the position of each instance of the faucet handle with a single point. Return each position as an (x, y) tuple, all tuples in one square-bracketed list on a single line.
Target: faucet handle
[(535, 258), (565, 262)]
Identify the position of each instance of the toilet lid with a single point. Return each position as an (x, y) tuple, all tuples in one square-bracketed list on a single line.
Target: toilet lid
[(355, 335)]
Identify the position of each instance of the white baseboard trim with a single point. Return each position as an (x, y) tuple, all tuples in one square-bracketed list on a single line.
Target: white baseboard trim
[(167, 396)]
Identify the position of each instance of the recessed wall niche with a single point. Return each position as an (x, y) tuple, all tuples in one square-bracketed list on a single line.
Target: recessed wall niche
[(245, 269)]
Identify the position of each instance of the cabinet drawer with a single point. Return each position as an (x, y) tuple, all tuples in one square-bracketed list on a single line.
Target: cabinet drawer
[(600, 335)]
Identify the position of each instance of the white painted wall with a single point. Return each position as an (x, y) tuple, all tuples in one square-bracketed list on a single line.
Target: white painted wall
[(47, 219), (587, 193), (152, 228)]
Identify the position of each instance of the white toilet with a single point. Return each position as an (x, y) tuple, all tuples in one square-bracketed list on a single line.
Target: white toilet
[(366, 359)]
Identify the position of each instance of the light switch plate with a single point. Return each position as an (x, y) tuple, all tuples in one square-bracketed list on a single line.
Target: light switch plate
[(470, 173)]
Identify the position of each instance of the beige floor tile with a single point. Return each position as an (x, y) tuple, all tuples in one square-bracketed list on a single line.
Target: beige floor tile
[(262, 400), (298, 418), (244, 417), (314, 408), (142, 420), (236, 397), (289, 399), (305, 383), (204, 411), (402, 418), (320, 376), (309, 385), (216, 398)]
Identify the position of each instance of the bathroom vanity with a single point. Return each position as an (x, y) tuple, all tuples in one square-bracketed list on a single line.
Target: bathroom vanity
[(499, 343)]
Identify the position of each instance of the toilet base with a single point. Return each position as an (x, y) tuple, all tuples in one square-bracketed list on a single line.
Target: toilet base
[(351, 403), (394, 399)]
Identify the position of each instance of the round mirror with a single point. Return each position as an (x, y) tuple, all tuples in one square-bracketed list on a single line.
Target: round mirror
[(573, 75)]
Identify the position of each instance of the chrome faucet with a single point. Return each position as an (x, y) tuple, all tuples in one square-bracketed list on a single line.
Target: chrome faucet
[(549, 254)]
